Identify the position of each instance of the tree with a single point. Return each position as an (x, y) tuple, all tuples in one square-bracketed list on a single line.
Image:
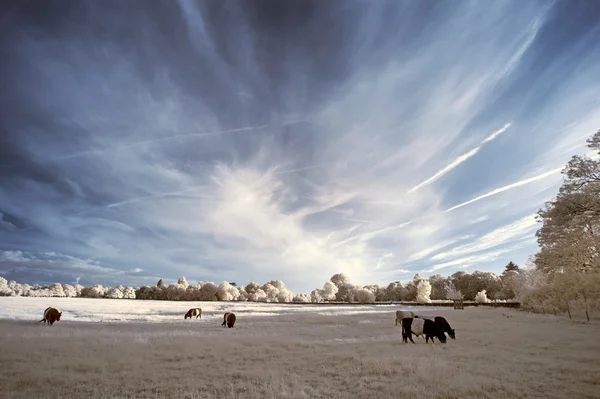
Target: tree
[(423, 291), (452, 293), (340, 279), (569, 238), (481, 297), (329, 291), (160, 283), (511, 267), (364, 295), (183, 281), (252, 287), (438, 286)]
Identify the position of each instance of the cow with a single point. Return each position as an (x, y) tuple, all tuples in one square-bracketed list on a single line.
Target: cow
[(51, 315), (419, 326), (193, 312), (442, 324), (229, 319), (403, 314)]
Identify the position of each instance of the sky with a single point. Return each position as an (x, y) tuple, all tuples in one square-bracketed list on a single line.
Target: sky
[(258, 140)]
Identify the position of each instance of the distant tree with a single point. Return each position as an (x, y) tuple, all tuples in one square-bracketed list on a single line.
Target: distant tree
[(438, 286), (363, 295), (183, 281), (252, 287), (511, 267), (452, 293), (423, 292), (481, 297), (340, 279), (160, 283), (233, 283)]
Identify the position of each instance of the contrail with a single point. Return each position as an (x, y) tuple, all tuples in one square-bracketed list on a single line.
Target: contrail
[(510, 186), (142, 142), (496, 133), (460, 159), (297, 170), (371, 234)]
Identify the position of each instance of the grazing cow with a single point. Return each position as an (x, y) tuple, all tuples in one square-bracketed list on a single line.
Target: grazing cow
[(229, 319), (51, 315), (444, 326), (418, 326), (441, 322), (193, 312)]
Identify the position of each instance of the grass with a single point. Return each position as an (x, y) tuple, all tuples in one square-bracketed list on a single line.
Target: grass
[(302, 356)]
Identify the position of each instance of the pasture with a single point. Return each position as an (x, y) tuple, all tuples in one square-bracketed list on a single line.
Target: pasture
[(145, 349)]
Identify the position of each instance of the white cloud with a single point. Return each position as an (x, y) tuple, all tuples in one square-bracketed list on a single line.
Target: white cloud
[(519, 229), (460, 159), (472, 260), (508, 187)]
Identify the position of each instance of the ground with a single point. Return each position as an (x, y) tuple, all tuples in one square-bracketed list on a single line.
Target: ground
[(301, 354)]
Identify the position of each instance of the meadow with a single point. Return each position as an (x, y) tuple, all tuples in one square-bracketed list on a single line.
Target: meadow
[(105, 348)]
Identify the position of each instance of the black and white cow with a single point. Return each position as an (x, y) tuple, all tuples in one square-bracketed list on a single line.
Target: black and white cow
[(441, 322), (420, 326), (193, 312)]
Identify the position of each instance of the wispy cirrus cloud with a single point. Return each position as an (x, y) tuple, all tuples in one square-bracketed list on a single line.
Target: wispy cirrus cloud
[(508, 187), (460, 159)]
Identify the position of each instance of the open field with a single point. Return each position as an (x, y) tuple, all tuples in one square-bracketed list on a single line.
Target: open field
[(279, 351)]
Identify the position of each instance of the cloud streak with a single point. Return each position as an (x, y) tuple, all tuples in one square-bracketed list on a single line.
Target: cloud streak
[(460, 159), (508, 187)]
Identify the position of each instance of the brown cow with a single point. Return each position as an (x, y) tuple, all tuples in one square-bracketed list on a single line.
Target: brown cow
[(229, 319), (51, 315), (193, 312)]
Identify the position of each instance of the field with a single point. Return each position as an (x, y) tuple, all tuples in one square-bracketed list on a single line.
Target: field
[(145, 349)]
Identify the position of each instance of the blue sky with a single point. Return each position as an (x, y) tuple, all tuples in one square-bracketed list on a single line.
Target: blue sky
[(250, 141)]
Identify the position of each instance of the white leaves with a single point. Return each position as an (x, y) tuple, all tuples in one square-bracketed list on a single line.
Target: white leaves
[(481, 297), (423, 291)]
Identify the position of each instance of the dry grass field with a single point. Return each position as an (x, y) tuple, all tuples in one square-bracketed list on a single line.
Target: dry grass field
[(304, 355)]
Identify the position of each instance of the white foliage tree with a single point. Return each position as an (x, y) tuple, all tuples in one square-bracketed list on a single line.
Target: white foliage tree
[(423, 291), (78, 288), (258, 296), (243, 295), (128, 293), (329, 291), (252, 287), (301, 298), (315, 296), (271, 292), (340, 279), (364, 295), (183, 281), (69, 290), (26, 290), (481, 297), (57, 290), (4, 290), (114, 293), (227, 292), (15, 288), (452, 293)]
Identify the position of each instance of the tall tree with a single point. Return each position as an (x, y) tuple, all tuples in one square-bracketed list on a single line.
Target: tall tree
[(569, 238)]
